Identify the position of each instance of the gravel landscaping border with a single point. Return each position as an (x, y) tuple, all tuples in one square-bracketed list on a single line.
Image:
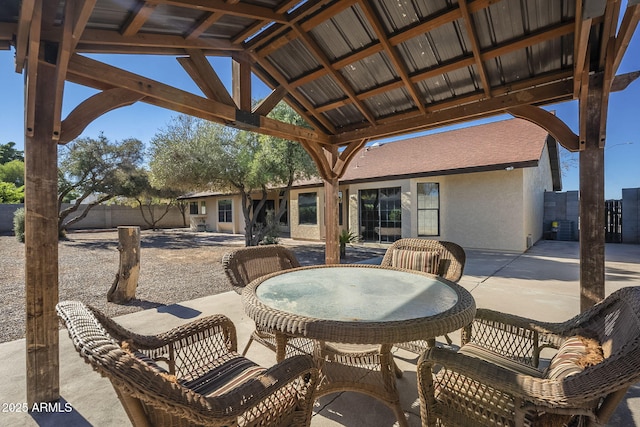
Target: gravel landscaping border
[(175, 265)]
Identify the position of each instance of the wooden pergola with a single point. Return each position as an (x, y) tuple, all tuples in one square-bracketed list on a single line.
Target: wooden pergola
[(355, 70)]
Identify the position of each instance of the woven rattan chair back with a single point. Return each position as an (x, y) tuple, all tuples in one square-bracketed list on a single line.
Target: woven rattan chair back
[(452, 256), (153, 395), (244, 265)]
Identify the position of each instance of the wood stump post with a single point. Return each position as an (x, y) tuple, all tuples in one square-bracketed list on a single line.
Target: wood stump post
[(124, 286)]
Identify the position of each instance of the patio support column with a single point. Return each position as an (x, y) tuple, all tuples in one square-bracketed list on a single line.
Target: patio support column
[(332, 164), (41, 239), (331, 206), (592, 207)]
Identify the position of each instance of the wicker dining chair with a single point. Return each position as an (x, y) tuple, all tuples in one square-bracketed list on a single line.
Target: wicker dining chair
[(445, 259), (244, 265), (497, 378), (191, 375)]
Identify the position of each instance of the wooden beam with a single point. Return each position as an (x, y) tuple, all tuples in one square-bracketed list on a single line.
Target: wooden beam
[(76, 16), (475, 46), (203, 74), (137, 18), (592, 209), (203, 25), (625, 32), (550, 122), (22, 36), (282, 81), (580, 47), (391, 52), (244, 10), (342, 82), (609, 25), (41, 241), (33, 54), (93, 73), (445, 67), (553, 92), (270, 102), (92, 108), (241, 84), (110, 41)]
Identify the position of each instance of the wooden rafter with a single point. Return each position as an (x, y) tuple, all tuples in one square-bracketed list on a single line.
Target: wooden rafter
[(580, 44), (448, 66), (33, 54), (612, 11), (625, 32), (241, 83), (76, 16), (203, 25), (244, 10), (138, 17), (203, 74), (475, 46), (108, 42), (95, 74), (317, 52), (553, 92), (22, 36), (391, 52), (269, 103), (310, 110)]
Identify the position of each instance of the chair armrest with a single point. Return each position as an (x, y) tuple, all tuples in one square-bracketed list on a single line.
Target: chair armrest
[(185, 348), (513, 336), (273, 388), (550, 395)]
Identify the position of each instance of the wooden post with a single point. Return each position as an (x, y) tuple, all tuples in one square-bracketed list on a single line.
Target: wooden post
[(41, 238), (124, 286), (592, 213), (331, 206)]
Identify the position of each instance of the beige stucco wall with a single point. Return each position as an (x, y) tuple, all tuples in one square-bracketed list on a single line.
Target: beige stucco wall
[(536, 182), (481, 210)]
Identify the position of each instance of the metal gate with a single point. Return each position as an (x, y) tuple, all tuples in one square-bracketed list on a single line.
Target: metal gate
[(613, 221)]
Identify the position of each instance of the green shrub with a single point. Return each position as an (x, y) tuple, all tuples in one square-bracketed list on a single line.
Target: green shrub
[(18, 224)]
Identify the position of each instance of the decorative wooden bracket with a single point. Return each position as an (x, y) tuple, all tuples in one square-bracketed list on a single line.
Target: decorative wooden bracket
[(92, 108), (551, 123)]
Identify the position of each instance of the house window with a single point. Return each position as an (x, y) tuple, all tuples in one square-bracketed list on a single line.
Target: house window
[(193, 208), (428, 209), (307, 209), (224, 211), (203, 208)]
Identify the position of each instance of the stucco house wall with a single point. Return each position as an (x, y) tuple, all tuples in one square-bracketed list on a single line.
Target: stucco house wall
[(537, 181), (306, 231)]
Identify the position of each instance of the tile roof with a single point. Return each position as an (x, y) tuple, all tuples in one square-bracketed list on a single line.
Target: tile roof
[(496, 145)]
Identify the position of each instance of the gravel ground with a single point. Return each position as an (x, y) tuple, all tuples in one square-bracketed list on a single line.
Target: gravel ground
[(175, 265)]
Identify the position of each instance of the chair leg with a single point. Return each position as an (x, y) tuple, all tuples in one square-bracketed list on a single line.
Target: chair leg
[(446, 337), (246, 347)]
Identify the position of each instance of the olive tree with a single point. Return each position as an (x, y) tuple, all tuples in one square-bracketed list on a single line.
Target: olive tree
[(93, 171), (197, 155)]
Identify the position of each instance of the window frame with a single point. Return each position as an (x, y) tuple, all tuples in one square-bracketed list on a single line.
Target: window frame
[(310, 195), (436, 209), (225, 215)]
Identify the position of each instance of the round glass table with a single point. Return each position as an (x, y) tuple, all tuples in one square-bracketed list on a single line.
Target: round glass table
[(342, 307)]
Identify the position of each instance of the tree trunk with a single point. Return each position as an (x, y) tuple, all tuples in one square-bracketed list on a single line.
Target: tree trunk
[(126, 282)]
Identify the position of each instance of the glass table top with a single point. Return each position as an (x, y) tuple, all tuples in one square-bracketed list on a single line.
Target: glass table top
[(357, 294)]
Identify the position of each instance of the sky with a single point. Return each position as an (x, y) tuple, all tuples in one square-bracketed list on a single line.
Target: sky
[(142, 121)]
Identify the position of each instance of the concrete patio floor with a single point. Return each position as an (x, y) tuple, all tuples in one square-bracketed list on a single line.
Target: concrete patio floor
[(542, 283)]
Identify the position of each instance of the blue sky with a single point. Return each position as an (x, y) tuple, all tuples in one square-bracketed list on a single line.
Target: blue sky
[(142, 121)]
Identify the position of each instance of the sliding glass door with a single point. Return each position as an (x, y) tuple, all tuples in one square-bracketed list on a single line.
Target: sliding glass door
[(380, 214)]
